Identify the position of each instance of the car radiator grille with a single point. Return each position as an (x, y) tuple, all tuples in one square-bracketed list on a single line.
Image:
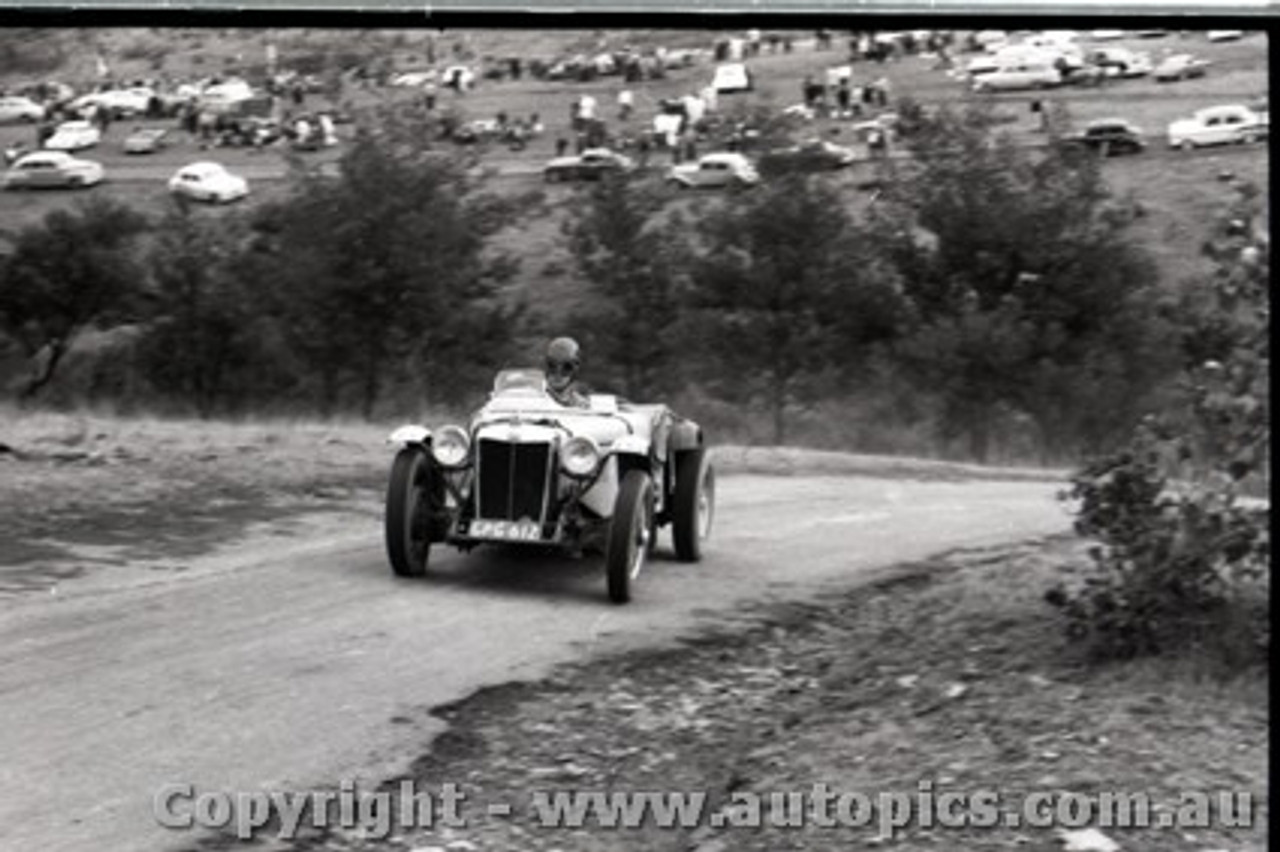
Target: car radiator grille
[(512, 479)]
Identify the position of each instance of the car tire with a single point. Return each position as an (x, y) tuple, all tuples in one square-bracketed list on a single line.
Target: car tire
[(1187, 145), (407, 519), (1248, 139), (630, 532), (693, 507)]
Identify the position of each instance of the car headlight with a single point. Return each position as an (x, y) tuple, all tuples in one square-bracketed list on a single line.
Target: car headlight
[(449, 446), (580, 456)]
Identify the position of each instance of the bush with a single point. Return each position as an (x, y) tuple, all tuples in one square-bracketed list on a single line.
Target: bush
[(1182, 554)]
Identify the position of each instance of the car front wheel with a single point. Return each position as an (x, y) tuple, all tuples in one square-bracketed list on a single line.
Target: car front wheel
[(630, 532), (408, 512), (694, 504)]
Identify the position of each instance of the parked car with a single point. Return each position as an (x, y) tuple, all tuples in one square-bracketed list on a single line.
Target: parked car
[(1108, 137), (1120, 62), (1224, 35), (414, 79), (146, 140), (120, 103), (14, 108), (208, 182), (591, 164), (527, 471), (1019, 74), (46, 169), (713, 171), (814, 155), (1180, 66), (1083, 75), (73, 136), (1220, 125), (732, 77)]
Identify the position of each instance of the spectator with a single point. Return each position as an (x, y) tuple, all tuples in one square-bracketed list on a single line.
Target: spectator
[(328, 138), (562, 146), (626, 103), (843, 96)]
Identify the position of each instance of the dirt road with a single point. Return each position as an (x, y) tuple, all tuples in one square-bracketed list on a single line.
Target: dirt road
[(296, 660)]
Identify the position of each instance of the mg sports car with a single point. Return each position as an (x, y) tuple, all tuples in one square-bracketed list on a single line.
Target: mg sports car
[(529, 471)]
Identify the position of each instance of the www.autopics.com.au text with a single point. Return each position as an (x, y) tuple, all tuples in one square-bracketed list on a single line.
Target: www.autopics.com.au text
[(377, 813)]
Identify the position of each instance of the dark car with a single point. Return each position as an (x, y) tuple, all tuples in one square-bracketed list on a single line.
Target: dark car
[(817, 155), (591, 164), (1108, 137)]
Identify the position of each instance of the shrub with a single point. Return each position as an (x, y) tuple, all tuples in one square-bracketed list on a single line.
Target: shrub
[(1182, 554)]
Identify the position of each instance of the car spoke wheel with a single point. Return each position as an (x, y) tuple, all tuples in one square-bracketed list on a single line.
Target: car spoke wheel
[(630, 532), (694, 505), (408, 511)]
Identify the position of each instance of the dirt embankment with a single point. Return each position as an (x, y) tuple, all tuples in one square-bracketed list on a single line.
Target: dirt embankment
[(947, 676)]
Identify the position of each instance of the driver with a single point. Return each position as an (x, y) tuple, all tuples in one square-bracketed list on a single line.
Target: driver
[(563, 359)]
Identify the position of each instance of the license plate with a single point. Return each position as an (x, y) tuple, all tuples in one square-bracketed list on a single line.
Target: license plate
[(523, 530)]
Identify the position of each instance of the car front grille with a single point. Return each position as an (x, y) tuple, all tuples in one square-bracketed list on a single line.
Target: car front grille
[(512, 480)]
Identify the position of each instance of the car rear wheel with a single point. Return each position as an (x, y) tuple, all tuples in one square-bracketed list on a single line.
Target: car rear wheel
[(630, 532), (1248, 139), (408, 512), (1187, 145), (694, 504)]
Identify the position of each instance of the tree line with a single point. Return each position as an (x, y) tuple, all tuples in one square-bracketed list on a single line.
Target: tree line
[(987, 289)]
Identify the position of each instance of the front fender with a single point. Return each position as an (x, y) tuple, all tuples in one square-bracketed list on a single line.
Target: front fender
[(411, 434), (685, 435)]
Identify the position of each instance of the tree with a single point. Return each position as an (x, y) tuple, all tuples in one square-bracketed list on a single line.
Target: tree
[(74, 269), (1035, 242), (385, 262), (631, 264), (783, 293), (201, 343)]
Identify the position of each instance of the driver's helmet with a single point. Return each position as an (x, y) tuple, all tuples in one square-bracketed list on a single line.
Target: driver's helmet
[(563, 359)]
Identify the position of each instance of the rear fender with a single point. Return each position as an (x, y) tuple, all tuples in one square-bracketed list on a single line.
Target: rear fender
[(409, 435)]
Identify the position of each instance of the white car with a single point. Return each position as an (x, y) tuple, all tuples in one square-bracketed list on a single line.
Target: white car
[(208, 182), (43, 169), (14, 108), (1030, 74), (732, 77), (414, 79), (73, 136), (1220, 125), (1224, 35), (714, 170), (120, 102)]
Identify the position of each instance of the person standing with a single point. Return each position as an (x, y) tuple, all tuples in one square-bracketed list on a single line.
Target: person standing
[(626, 104)]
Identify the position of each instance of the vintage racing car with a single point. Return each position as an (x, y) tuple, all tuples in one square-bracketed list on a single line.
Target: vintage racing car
[(529, 471)]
